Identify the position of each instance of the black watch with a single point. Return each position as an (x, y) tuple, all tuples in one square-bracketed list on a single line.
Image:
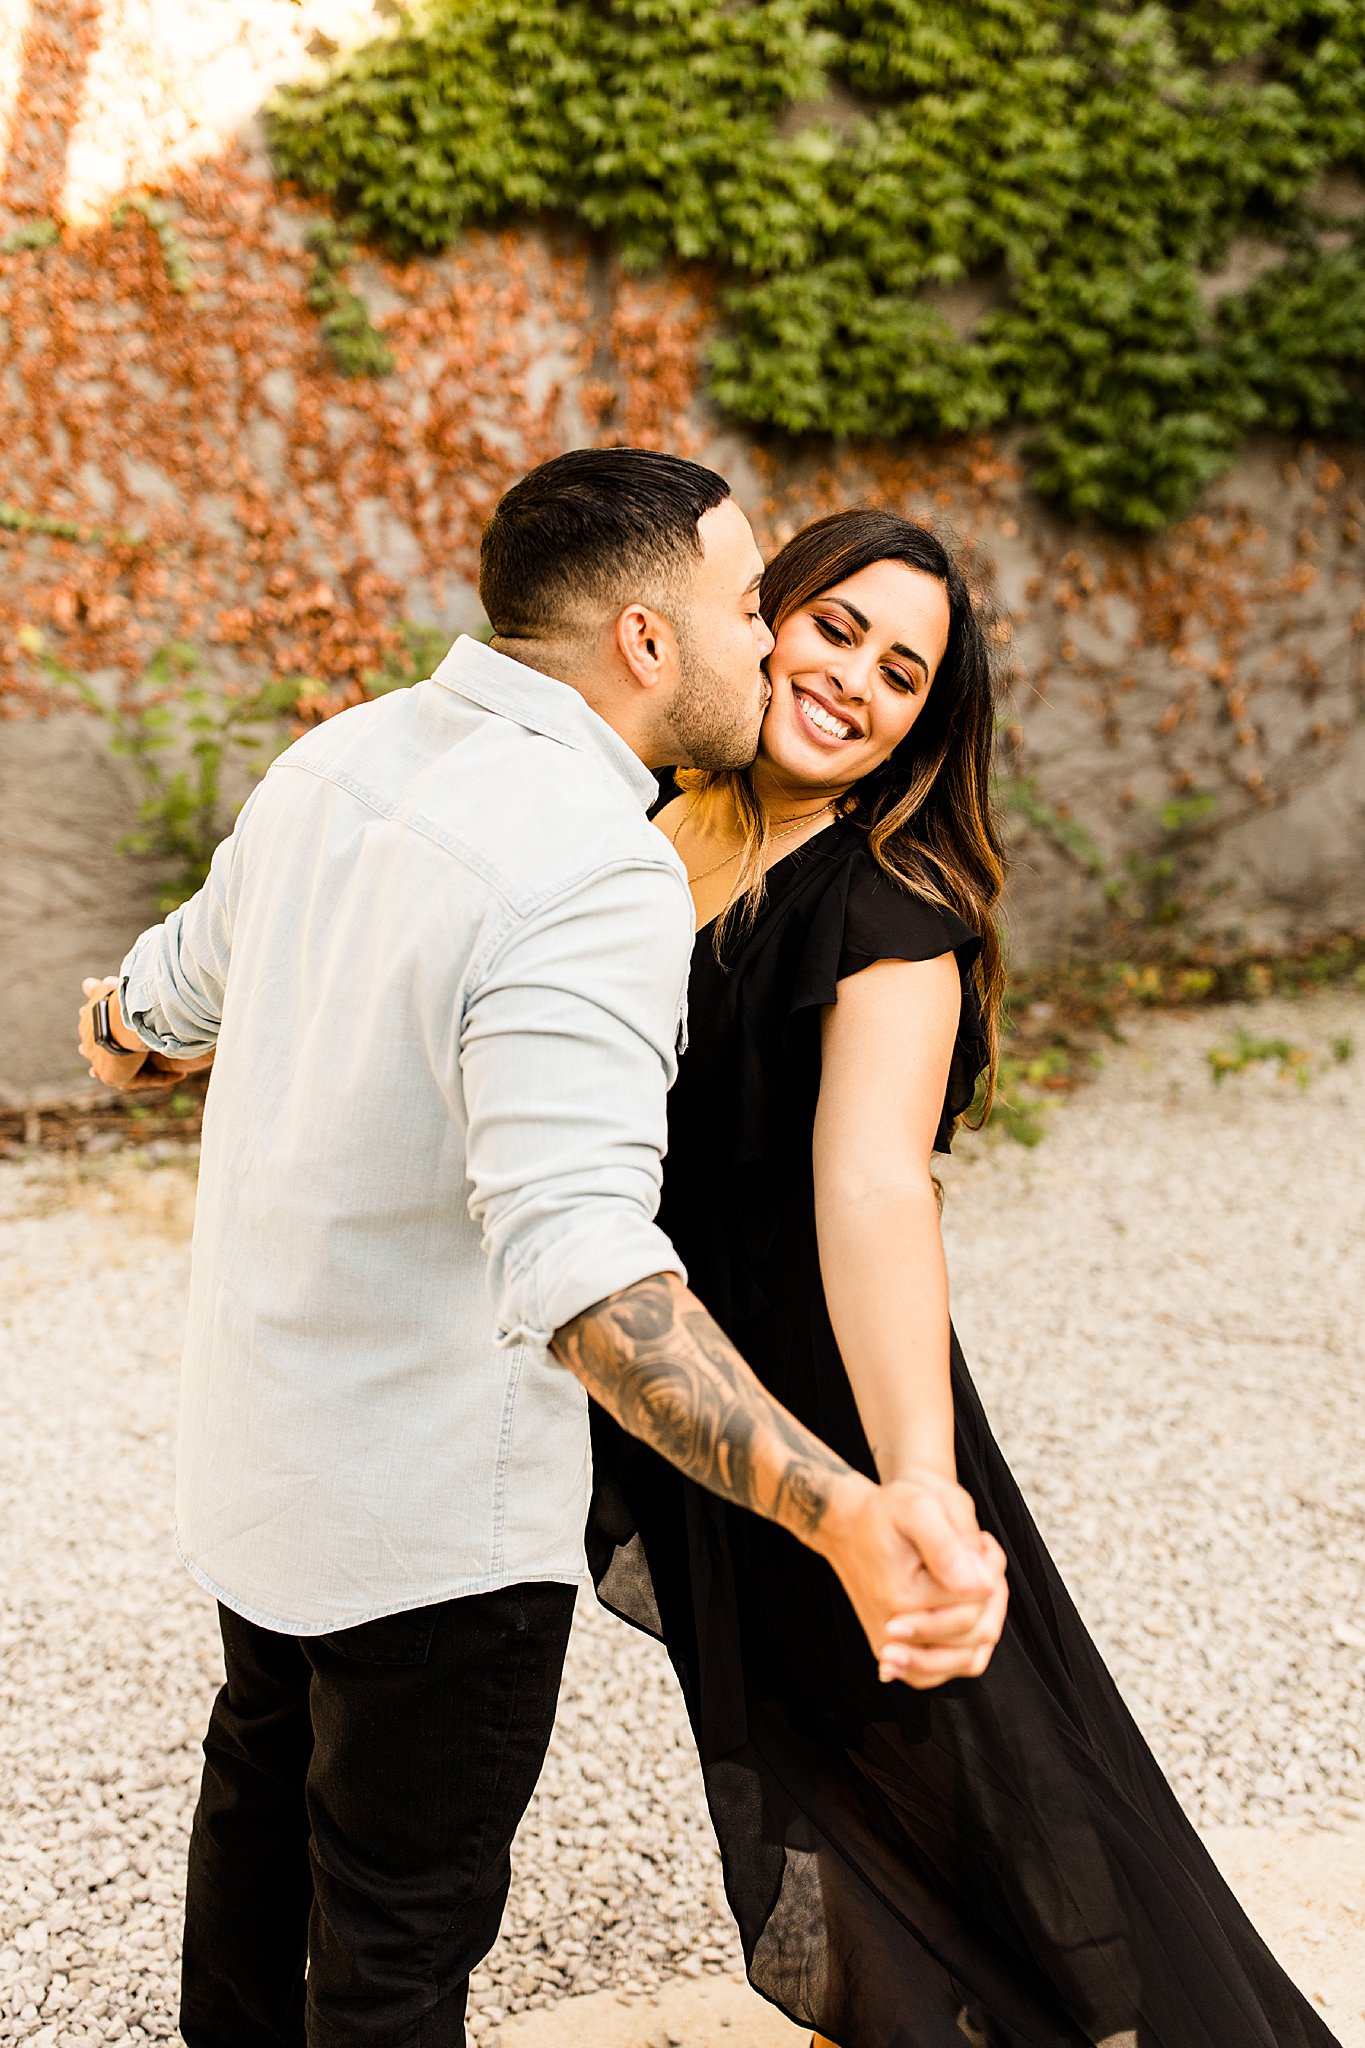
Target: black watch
[(104, 1037)]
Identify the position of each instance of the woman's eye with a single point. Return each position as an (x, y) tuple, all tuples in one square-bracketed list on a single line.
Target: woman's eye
[(899, 681), (833, 632)]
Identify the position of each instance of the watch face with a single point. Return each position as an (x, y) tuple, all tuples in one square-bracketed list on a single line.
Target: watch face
[(103, 1036)]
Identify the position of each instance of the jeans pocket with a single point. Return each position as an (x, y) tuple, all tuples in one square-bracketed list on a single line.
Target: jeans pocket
[(390, 1639)]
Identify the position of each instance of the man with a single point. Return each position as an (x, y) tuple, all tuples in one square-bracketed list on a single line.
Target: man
[(440, 969)]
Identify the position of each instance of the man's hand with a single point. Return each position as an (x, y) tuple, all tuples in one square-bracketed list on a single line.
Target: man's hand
[(926, 1583), (944, 1636), (947, 1638), (137, 1066)]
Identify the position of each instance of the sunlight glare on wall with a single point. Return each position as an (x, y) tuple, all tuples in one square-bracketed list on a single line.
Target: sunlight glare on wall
[(173, 81), (14, 20)]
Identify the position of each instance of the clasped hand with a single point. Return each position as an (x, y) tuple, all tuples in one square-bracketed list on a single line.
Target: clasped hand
[(927, 1583), (135, 1067)]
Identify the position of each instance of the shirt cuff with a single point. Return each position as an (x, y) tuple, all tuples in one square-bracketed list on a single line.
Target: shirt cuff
[(578, 1272), (140, 1006)]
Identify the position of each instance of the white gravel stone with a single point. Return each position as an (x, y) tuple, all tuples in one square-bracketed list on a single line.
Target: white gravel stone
[(1162, 1307)]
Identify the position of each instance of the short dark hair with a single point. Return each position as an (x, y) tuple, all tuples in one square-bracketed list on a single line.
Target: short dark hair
[(594, 530)]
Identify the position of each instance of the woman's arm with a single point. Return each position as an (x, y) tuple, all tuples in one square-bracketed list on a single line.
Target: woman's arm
[(887, 1044)]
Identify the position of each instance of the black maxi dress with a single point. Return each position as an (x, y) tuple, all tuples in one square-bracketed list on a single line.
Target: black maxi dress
[(996, 1864)]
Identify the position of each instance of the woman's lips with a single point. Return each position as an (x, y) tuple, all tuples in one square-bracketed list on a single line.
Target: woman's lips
[(810, 709)]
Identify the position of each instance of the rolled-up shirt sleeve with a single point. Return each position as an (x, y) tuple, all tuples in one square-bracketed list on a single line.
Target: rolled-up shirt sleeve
[(171, 983), (567, 1051)]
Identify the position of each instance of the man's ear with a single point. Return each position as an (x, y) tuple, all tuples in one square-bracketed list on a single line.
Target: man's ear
[(648, 645)]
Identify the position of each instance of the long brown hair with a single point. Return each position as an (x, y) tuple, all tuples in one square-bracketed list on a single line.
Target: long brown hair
[(927, 810)]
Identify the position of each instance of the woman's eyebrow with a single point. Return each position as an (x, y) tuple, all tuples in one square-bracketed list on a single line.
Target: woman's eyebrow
[(897, 646)]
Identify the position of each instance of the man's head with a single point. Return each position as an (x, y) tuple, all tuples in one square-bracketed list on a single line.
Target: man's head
[(633, 576)]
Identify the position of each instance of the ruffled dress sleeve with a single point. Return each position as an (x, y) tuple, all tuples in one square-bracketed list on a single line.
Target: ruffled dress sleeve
[(865, 915)]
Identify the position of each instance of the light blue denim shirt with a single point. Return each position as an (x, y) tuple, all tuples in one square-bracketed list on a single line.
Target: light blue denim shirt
[(443, 962)]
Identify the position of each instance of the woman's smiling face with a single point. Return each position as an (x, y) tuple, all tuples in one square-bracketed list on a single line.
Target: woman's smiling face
[(850, 671)]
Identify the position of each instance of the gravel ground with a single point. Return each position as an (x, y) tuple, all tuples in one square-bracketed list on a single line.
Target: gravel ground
[(1161, 1304)]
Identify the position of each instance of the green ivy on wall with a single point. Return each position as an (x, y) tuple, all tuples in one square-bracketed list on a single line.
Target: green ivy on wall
[(1079, 170)]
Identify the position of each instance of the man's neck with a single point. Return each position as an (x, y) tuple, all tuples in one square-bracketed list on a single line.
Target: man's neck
[(565, 664), (545, 656)]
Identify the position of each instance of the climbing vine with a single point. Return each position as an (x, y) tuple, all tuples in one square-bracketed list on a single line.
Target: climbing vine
[(175, 255), (356, 346), (929, 216)]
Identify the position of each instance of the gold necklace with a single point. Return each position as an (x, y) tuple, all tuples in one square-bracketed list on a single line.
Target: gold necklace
[(782, 832)]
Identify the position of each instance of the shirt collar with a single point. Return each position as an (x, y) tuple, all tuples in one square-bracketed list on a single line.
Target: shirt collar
[(542, 704)]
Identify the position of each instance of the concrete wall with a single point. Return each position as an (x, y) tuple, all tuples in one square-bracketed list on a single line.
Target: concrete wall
[(69, 902)]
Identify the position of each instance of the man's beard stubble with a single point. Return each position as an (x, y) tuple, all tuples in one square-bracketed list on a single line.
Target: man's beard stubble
[(712, 730)]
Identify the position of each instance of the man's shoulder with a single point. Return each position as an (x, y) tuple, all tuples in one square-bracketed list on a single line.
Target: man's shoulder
[(535, 818), (365, 742), (556, 819)]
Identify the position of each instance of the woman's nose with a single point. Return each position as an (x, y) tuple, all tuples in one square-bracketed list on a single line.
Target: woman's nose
[(854, 678)]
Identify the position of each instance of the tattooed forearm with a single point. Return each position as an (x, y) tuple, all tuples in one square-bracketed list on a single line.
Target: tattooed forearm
[(800, 1499), (656, 1361)]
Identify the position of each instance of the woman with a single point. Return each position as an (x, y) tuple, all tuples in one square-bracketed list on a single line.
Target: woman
[(996, 1861)]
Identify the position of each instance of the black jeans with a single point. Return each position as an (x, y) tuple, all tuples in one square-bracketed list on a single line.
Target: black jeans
[(360, 1795)]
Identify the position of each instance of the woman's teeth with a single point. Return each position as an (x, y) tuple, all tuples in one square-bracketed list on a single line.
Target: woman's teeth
[(823, 721)]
